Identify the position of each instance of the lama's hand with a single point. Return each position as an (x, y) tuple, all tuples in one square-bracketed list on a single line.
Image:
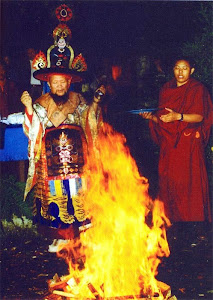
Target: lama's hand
[(170, 117), (146, 115), (27, 101)]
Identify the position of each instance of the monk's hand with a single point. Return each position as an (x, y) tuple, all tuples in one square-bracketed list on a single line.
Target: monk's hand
[(170, 117), (146, 115), (27, 101)]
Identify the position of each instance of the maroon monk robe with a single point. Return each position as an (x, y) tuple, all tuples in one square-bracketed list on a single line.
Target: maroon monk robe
[(183, 178)]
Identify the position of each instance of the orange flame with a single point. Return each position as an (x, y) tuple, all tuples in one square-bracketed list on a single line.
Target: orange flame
[(121, 252)]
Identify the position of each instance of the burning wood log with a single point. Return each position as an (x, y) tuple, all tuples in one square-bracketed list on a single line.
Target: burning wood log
[(164, 288), (71, 296), (60, 287), (64, 294), (94, 291), (53, 297), (57, 283)]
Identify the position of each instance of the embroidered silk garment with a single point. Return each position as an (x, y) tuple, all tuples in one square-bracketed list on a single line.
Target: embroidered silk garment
[(58, 142)]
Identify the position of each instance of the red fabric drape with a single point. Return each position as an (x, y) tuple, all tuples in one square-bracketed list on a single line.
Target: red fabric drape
[(116, 72)]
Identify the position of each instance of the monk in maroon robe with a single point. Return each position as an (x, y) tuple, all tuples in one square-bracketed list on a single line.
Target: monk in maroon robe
[(181, 128)]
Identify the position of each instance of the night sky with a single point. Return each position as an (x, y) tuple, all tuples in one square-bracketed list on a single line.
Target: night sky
[(100, 29)]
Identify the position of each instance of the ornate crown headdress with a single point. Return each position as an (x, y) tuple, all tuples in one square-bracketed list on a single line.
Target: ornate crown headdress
[(60, 56)]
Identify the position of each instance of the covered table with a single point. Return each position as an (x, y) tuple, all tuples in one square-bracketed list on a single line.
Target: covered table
[(14, 143), (13, 150)]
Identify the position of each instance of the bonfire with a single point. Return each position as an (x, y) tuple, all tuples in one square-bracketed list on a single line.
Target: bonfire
[(118, 256)]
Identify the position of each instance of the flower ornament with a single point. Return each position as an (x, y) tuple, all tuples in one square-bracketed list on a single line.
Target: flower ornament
[(79, 63), (40, 61), (63, 13), (62, 31)]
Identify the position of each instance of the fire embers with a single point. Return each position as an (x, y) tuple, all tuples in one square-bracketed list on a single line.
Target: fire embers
[(121, 251)]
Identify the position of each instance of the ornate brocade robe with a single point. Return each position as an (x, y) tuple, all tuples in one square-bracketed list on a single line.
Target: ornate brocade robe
[(58, 144)]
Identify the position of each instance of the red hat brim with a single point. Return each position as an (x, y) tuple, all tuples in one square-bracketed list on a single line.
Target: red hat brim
[(44, 74)]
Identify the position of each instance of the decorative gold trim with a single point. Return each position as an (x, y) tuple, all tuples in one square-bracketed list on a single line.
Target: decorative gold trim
[(71, 57), (48, 56)]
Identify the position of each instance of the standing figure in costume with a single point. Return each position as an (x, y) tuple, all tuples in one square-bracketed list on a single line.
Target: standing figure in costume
[(181, 128), (61, 128)]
